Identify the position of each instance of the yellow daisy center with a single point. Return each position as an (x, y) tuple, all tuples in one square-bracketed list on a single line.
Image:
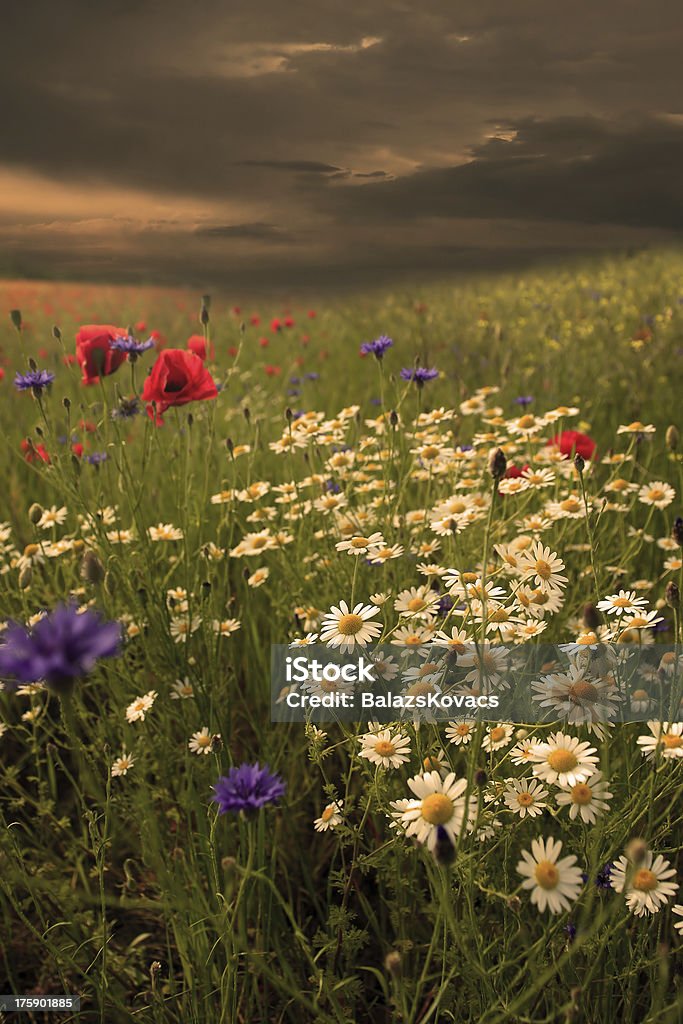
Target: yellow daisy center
[(259, 542), (562, 760), (525, 422), (640, 695), (385, 748), (582, 794), (543, 569), (437, 809), (421, 689), (417, 604), (497, 734), (525, 799), (644, 880), (328, 812), (469, 577), (359, 542), (431, 764), (671, 741), (655, 494), (582, 691), (463, 729), (547, 875), (570, 505), (500, 615), (350, 624)]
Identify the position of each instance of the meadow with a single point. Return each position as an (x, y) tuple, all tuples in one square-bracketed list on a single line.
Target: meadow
[(482, 464)]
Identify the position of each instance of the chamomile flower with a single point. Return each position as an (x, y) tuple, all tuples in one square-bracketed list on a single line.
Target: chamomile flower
[(345, 628), (497, 737), (647, 885), (543, 566), (225, 627), (626, 602), (439, 802), (657, 494), (359, 545), (165, 531), (200, 742), (258, 577), (666, 738), (384, 748), (330, 817), (678, 910), (564, 760), (554, 884), (589, 798), (136, 711), (121, 765), (525, 797), (182, 689), (460, 733)]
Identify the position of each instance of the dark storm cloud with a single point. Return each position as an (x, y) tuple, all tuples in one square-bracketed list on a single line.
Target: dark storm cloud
[(318, 136)]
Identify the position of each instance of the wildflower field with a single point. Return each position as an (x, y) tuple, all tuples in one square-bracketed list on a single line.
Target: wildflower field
[(459, 473)]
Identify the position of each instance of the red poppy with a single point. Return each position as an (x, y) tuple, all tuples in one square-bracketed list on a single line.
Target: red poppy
[(571, 442), (232, 351), (141, 326), (289, 321), (94, 352), (311, 314), (236, 310), (263, 342), (2, 373), (177, 378), (512, 472), (32, 451), (255, 320), (275, 325), (69, 359), (77, 449), (43, 353), (88, 426), (197, 344), (273, 371)]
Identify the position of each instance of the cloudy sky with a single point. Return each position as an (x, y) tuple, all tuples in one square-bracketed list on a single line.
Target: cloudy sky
[(317, 142)]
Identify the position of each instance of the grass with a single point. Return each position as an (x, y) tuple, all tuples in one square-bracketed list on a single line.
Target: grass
[(131, 890)]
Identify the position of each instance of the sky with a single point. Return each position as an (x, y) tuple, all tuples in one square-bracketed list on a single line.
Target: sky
[(319, 143)]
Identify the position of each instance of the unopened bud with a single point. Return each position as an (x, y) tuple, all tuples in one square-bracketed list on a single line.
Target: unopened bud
[(672, 595), (190, 419), (672, 438), (480, 778), (514, 903), (25, 577), (591, 616), (677, 531), (56, 333), (15, 317), (580, 463), (205, 589), (289, 414), (33, 364), (444, 848), (393, 418), (216, 743), (66, 402), (229, 445), (246, 413), (497, 464), (636, 851), (92, 570), (204, 316), (392, 962), (35, 513)]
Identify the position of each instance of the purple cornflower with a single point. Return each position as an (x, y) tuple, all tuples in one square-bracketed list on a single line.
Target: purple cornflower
[(570, 930), (96, 458), (34, 380), (130, 346), (247, 789), (377, 348), (126, 409), (419, 374), (61, 646), (524, 400)]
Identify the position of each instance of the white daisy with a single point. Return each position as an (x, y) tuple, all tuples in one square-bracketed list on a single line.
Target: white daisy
[(330, 817), (564, 760), (383, 748), (182, 689), (554, 883), (122, 764), (200, 742), (344, 628), (667, 737), (460, 733), (525, 796), (136, 711), (497, 736), (648, 886), (678, 909), (589, 799), (440, 802)]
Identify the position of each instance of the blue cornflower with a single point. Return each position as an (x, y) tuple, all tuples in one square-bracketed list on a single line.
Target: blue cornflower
[(96, 458), (126, 409), (130, 346), (419, 374), (570, 930), (62, 646), (295, 380), (34, 380), (313, 376), (377, 348), (247, 789), (445, 604), (524, 400)]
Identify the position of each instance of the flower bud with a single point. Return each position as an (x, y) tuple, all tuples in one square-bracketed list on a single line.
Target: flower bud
[(636, 851), (56, 333), (35, 513), (672, 595), (677, 531), (444, 850), (15, 317), (392, 962), (289, 415), (580, 463), (66, 402), (246, 413), (497, 464), (591, 616), (480, 778), (393, 418), (92, 570), (25, 577), (672, 438), (229, 445)]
